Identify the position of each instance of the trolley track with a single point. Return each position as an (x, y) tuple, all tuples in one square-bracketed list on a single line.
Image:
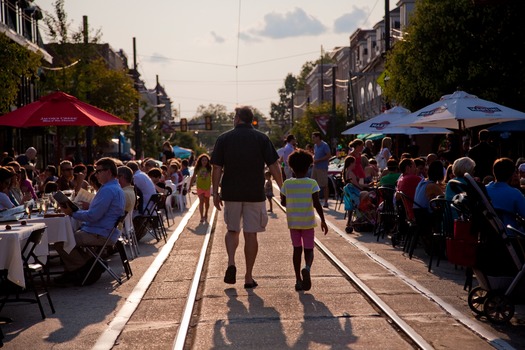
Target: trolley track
[(190, 318)]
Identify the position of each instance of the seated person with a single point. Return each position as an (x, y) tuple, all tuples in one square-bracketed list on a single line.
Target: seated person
[(97, 223), (66, 179), (506, 200), (390, 175), (427, 190), (6, 176), (155, 174)]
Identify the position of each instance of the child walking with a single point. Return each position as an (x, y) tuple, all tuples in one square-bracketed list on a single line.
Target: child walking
[(300, 195), (268, 189), (202, 178)]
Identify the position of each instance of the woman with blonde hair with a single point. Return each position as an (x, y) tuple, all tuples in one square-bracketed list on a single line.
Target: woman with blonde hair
[(384, 153)]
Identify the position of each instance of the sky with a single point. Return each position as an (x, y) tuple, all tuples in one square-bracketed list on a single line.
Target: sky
[(228, 52)]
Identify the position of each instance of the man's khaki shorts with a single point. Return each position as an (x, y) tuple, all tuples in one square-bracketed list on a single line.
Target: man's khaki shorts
[(321, 176), (253, 214)]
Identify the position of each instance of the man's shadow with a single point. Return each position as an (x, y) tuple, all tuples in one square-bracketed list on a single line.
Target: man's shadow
[(244, 322), (322, 327)]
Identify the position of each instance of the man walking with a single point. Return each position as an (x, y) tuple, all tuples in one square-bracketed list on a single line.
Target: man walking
[(239, 158), (288, 149), (322, 154)]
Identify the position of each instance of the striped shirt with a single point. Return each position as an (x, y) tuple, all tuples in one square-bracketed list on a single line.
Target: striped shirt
[(299, 205)]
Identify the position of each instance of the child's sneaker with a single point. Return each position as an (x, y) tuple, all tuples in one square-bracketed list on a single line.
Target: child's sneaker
[(307, 282)]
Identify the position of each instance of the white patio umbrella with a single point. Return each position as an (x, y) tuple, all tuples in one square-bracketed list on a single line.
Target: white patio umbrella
[(461, 110), (389, 122)]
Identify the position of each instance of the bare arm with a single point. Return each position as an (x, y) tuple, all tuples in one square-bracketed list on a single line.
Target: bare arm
[(275, 170), (215, 180), (319, 209)]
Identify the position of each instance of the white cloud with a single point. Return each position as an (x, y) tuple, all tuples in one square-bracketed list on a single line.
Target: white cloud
[(349, 22), (217, 38), (291, 24)]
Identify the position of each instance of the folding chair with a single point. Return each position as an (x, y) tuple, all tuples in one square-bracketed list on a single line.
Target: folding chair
[(97, 251), (417, 219), (32, 268), (387, 213), (442, 228), (129, 237), (152, 221), (337, 185)]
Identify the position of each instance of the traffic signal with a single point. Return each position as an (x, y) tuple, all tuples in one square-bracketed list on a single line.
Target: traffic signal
[(255, 123), (183, 124), (207, 122)]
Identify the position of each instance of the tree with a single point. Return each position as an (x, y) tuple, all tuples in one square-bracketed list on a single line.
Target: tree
[(454, 43), (16, 62), (280, 112), (303, 129)]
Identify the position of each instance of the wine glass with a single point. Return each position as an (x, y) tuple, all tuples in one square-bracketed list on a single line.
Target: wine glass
[(39, 206)]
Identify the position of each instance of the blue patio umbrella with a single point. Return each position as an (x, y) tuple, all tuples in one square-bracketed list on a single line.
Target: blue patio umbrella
[(513, 126)]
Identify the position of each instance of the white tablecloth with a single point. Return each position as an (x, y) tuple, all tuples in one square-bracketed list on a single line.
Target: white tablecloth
[(59, 229), (11, 244)]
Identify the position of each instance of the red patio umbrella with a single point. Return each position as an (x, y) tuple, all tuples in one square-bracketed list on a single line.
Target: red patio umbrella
[(59, 109)]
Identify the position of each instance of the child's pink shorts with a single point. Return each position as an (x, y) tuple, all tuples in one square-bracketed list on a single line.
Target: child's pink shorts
[(302, 237), (206, 193)]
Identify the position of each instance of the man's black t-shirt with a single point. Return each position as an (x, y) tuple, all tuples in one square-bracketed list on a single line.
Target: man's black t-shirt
[(243, 153)]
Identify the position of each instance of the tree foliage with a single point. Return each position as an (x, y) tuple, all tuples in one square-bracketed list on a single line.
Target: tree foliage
[(455, 43), (16, 62)]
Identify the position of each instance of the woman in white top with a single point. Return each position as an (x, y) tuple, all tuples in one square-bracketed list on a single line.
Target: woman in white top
[(384, 154)]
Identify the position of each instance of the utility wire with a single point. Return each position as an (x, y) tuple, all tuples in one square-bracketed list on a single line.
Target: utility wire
[(237, 60)]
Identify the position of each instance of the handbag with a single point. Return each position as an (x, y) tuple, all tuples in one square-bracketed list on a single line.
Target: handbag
[(461, 249)]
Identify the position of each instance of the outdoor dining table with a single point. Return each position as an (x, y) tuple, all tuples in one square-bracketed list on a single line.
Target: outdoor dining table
[(11, 243), (60, 228)]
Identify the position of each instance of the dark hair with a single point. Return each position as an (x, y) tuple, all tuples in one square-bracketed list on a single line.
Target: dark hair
[(198, 162), (133, 165), (50, 186), (245, 114), (420, 162), (300, 160), (185, 162), (405, 163), (503, 169), (155, 172), (108, 163), (349, 160), (52, 169), (483, 135), (435, 171), (125, 172), (79, 168), (290, 138), (392, 164)]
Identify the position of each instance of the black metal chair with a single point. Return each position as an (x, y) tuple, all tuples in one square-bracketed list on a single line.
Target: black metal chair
[(387, 218), (151, 220), (417, 219), (97, 252), (442, 228), (31, 269)]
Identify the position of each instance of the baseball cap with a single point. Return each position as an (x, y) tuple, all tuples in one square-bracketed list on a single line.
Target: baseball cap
[(521, 168)]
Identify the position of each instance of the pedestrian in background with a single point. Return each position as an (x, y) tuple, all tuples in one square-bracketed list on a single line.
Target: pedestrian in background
[(239, 158), (202, 178), (322, 154), (268, 189), (300, 195), (288, 149)]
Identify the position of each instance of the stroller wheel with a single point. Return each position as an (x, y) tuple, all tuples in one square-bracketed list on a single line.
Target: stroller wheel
[(349, 229), (498, 309), (476, 299)]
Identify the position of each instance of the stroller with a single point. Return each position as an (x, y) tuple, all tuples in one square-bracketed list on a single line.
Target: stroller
[(360, 209), (498, 259)]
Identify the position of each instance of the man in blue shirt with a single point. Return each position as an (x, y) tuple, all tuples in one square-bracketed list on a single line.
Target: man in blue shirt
[(322, 154), (507, 200), (97, 222)]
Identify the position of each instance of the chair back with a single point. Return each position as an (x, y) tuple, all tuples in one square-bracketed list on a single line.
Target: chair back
[(386, 196), (29, 248), (442, 215), (152, 206)]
